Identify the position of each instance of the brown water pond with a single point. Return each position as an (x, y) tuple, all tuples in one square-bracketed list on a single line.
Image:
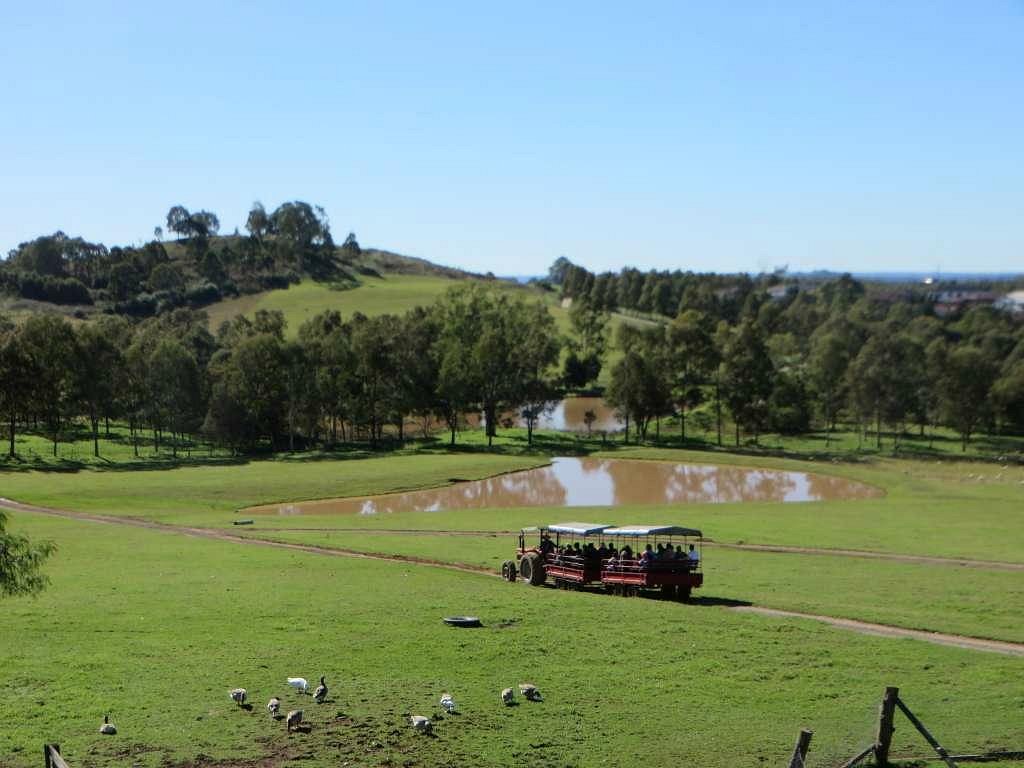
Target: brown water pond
[(591, 482)]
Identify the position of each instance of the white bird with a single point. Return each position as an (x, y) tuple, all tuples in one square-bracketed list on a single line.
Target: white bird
[(274, 706), (294, 718), (299, 683), (321, 692), (530, 691), (107, 729), (508, 697), (238, 696), (421, 724), (447, 702)]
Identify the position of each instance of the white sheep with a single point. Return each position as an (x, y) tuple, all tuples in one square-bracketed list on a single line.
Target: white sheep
[(299, 683), (421, 724), (447, 703), (508, 697), (238, 696), (274, 706)]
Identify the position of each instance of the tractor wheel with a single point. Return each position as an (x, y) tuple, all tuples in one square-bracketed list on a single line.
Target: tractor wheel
[(683, 594), (531, 569), (508, 570), (668, 591)]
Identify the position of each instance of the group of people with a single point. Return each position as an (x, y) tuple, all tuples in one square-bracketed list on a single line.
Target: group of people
[(612, 558)]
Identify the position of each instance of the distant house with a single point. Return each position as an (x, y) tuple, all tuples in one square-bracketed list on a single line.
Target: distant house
[(951, 302), (781, 291), (1013, 302)]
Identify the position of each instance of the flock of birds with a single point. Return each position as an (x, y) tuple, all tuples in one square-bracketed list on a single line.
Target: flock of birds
[(419, 723)]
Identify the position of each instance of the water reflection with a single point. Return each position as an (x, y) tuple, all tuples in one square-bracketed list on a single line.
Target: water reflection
[(574, 482)]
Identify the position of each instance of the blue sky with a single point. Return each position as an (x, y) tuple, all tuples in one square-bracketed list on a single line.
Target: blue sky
[(707, 136)]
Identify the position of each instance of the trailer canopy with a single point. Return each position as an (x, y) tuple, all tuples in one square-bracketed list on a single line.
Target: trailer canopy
[(652, 530)]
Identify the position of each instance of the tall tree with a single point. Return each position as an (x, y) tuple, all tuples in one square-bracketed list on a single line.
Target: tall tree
[(16, 381), (99, 359), (747, 379), (693, 358), (52, 345), (965, 388)]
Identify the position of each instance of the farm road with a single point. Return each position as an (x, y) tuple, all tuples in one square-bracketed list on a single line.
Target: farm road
[(863, 627), (959, 562)]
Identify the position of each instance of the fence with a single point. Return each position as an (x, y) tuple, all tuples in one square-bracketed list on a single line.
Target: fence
[(891, 702)]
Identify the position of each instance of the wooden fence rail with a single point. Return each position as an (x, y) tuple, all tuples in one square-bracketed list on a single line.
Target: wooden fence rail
[(51, 754)]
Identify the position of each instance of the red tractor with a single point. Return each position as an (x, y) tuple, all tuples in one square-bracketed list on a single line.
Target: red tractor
[(624, 560)]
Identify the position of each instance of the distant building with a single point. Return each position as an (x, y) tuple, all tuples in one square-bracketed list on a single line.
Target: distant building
[(781, 292), (951, 302), (1013, 302)]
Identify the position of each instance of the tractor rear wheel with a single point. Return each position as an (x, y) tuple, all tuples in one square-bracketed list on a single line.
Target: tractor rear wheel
[(668, 591), (532, 569), (683, 593)]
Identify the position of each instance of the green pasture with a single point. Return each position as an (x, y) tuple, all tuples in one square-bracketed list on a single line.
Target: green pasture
[(937, 598), (158, 635)]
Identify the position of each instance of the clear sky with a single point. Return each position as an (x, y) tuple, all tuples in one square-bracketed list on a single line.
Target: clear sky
[(869, 135)]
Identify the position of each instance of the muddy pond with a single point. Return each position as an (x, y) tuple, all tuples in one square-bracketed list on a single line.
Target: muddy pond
[(592, 482)]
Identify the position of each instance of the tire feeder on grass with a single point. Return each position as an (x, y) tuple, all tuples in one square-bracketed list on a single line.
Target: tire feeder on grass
[(462, 621)]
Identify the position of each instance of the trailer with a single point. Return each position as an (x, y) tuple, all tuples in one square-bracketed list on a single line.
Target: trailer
[(627, 560)]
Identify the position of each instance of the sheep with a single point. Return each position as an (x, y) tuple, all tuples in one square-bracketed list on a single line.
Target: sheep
[(530, 692), (238, 696), (299, 683), (107, 729), (421, 724), (321, 692), (294, 718), (508, 697), (274, 706), (448, 703)]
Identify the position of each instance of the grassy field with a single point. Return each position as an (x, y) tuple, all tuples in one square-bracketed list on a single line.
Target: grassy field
[(160, 638)]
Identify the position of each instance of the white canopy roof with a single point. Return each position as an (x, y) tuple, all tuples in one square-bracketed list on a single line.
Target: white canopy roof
[(579, 529), (652, 530)]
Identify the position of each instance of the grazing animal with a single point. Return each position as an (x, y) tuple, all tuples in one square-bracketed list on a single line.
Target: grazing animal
[(421, 724), (294, 718), (321, 692), (508, 697), (448, 703), (299, 683), (530, 692), (107, 729), (274, 706), (238, 696)]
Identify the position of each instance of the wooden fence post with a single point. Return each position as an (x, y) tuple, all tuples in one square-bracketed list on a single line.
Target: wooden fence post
[(939, 749), (885, 726), (803, 742), (48, 750)]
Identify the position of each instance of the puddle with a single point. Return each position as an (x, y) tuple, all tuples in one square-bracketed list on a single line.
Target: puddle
[(591, 482)]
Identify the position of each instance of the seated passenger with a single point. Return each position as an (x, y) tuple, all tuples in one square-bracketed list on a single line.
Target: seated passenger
[(660, 554), (611, 563), (647, 557), (679, 554), (627, 553), (602, 551), (576, 551), (547, 546), (693, 556)]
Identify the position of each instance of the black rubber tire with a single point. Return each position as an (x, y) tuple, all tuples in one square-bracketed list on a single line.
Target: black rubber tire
[(532, 569), (668, 591), (508, 570), (683, 593)]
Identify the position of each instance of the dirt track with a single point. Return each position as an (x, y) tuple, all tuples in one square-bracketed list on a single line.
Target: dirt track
[(867, 628), (958, 562)]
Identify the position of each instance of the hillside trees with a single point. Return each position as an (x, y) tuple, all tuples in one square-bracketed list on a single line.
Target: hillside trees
[(747, 374), (968, 376), (693, 358)]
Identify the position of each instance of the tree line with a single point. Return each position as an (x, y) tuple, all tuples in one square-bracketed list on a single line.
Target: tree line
[(478, 349), (822, 355)]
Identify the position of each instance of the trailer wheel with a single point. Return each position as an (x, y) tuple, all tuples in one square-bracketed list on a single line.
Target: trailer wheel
[(683, 594), (508, 570), (668, 591), (531, 569)]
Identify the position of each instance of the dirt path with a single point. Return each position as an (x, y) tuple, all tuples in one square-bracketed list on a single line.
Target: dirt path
[(863, 627), (886, 630), (958, 562)]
